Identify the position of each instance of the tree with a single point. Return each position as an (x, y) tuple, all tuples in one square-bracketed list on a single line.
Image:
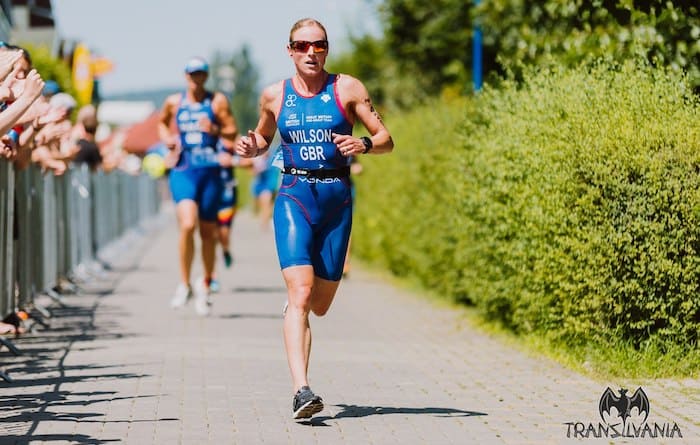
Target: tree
[(426, 47), (526, 31), (429, 41), (237, 76), (366, 61)]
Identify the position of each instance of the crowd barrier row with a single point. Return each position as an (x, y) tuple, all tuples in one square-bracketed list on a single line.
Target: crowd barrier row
[(52, 227)]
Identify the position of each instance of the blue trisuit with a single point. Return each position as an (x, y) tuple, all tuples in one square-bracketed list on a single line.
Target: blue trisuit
[(197, 175), (313, 214)]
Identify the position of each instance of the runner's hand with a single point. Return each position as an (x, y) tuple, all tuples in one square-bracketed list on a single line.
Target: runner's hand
[(226, 159), (171, 158), (207, 126), (348, 145), (247, 146), (173, 142)]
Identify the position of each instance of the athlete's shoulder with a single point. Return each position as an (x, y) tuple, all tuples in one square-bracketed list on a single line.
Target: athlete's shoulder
[(350, 88), (170, 104), (173, 100), (217, 97), (350, 85), (273, 90), (347, 81), (272, 94)]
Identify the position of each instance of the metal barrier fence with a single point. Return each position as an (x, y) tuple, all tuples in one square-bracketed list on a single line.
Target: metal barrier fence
[(51, 228)]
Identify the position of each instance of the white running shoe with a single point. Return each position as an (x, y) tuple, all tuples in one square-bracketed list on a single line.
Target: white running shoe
[(201, 299), (181, 297)]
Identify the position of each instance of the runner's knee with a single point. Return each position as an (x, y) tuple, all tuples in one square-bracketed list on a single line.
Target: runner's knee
[(320, 311), (208, 231), (300, 297), (187, 225), (321, 303)]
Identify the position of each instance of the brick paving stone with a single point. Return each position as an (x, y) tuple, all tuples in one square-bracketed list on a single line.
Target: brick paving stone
[(119, 366)]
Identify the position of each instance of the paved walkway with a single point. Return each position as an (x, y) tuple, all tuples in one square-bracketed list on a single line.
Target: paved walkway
[(118, 366)]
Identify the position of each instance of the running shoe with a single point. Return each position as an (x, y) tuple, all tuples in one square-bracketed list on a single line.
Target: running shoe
[(228, 259), (201, 298), (214, 286), (305, 403), (182, 295)]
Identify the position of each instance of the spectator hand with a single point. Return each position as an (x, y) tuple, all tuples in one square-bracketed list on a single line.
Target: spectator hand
[(33, 85), (36, 111), (57, 167), (10, 84), (53, 115), (8, 147), (8, 59), (54, 131)]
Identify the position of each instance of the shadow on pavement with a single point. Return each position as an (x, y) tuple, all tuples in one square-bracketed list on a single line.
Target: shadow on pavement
[(364, 411), (44, 438), (261, 289), (35, 396), (59, 398), (257, 316)]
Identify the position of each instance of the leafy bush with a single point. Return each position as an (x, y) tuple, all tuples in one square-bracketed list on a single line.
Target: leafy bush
[(50, 67), (525, 31), (568, 205), (406, 215)]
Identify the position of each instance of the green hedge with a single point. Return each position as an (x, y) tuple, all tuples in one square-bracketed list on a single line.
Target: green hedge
[(567, 205), (406, 215)]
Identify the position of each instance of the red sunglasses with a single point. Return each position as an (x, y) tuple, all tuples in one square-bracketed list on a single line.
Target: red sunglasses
[(303, 45)]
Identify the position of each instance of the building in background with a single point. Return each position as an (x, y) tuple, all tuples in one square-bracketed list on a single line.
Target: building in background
[(32, 22), (5, 19)]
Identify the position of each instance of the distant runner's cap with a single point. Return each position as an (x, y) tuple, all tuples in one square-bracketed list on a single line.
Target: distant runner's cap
[(196, 64)]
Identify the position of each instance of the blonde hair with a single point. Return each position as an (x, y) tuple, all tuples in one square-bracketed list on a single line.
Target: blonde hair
[(307, 22)]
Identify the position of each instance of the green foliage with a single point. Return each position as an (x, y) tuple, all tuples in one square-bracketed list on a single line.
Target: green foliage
[(566, 208), (366, 62), (426, 47), (50, 67), (244, 98), (523, 32), (430, 45), (244, 179), (405, 215), (581, 200)]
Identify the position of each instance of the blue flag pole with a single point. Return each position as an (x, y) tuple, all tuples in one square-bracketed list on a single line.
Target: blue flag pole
[(477, 56)]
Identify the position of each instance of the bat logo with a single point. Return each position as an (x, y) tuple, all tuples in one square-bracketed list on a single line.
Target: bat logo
[(624, 403)]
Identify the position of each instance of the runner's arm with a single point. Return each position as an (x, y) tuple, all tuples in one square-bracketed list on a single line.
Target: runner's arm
[(166, 115), (360, 105), (258, 141), (227, 123)]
